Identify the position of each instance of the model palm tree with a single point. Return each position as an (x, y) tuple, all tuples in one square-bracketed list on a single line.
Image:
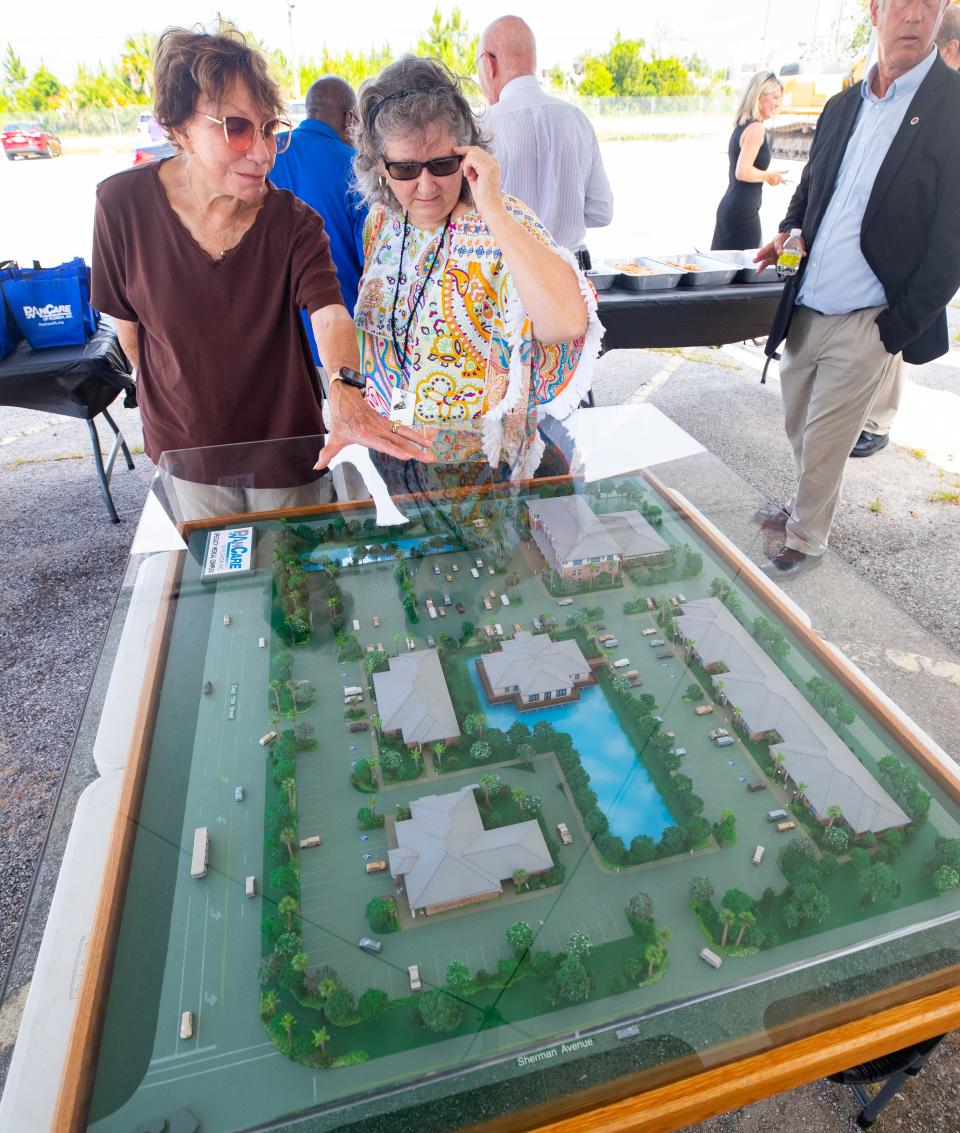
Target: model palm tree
[(654, 956), (833, 813), (519, 879), (372, 804), (778, 761), (438, 749), (727, 918), (746, 920), (288, 1022), (269, 1002), (321, 1037), (288, 836), (801, 787), (299, 962), (517, 795), (288, 906), (290, 786)]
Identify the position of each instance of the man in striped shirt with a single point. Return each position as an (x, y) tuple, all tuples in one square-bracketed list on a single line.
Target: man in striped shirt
[(547, 149)]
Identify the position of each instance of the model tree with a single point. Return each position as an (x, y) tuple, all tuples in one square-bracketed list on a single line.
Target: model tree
[(341, 1007), (573, 980), (532, 805), (945, 880), (480, 751), (519, 938), (440, 1011), (701, 889), (640, 911), (837, 839), (373, 1005), (490, 785), (578, 944), (382, 914), (458, 977), (879, 883)]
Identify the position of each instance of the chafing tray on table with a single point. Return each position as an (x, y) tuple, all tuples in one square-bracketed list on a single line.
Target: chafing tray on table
[(663, 276), (712, 273), (749, 272)]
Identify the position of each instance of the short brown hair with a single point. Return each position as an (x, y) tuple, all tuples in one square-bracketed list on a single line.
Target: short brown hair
[(188, 64)]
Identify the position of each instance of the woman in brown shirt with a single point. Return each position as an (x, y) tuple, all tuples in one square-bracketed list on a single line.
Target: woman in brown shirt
[(204, 265)]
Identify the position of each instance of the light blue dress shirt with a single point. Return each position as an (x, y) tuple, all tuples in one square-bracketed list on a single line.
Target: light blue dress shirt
[(837, 279)]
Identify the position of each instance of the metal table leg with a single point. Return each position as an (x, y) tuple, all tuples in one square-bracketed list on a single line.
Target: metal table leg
[(104, 471)]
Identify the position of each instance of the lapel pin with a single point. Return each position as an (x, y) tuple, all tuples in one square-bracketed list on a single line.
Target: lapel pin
[(914, 121)]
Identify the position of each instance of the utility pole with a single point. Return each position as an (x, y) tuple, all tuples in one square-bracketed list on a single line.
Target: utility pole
[(294, 61)]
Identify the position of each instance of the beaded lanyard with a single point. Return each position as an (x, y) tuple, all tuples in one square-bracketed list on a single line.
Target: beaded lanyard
[(418, 296)]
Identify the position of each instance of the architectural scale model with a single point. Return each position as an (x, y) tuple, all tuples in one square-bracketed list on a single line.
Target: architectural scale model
[(510, 774)]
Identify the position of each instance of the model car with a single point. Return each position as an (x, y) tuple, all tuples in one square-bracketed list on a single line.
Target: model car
[(717, 733), (413, 971), (599, 625), (564, 831), (648, 632), (238, 794), (431, 641), (724, 741), (461, 609), (376, 867), (704, 710), (368, 944), (186, 1025), (655, 642), (207, 687), (29, 139)]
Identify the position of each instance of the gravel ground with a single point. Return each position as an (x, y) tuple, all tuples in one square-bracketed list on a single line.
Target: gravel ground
[(63, 561)]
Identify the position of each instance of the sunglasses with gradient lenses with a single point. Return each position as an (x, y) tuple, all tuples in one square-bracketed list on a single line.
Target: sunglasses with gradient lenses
[(241, 132), (436, 167)]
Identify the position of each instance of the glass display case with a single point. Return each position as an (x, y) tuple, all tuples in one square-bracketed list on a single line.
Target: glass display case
[(494, 806)]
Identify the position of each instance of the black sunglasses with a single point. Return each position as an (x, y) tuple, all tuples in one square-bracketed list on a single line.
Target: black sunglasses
[(436, 167)]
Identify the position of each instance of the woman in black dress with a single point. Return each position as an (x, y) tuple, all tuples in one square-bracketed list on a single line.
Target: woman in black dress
[(738, 216)]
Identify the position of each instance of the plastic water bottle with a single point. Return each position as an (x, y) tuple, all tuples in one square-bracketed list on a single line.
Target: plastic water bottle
[(788, 262)]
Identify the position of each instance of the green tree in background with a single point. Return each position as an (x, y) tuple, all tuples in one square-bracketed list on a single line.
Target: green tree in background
[(451, 41)]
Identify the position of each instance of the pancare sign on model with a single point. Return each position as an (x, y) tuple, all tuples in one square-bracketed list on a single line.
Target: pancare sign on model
[(228, 553)]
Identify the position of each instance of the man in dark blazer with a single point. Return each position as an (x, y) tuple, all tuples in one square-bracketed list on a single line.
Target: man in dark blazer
[(878, 205)]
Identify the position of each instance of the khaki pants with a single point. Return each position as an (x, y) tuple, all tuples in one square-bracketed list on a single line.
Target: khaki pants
[(205, 501), (887, 401), (832, 370)]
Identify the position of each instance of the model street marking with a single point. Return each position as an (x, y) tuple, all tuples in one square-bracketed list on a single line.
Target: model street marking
[(209, 1057), (211, 1070)]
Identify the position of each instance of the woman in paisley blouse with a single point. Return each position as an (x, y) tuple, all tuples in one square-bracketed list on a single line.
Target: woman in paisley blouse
[(470, 321)]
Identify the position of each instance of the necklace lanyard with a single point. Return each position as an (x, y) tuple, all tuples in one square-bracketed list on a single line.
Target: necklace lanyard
[(417, 299)]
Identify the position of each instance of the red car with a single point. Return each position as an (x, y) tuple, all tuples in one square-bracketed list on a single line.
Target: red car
[(27, 139)]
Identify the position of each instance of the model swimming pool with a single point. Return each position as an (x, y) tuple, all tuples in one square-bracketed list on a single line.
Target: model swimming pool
[(624, 791)]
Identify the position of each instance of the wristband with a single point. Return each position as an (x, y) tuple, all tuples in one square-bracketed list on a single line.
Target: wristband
[(349, 378)]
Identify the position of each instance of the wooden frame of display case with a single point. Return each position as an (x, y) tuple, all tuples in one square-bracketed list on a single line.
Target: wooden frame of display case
[(664, 1098)]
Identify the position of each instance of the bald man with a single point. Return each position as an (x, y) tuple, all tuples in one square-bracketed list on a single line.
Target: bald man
[(317, 167), (876, 432), (547, 149)]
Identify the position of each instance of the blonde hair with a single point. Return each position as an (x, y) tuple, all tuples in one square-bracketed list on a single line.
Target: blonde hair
[(748, 109)]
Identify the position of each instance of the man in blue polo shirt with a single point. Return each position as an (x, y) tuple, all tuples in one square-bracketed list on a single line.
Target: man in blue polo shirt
[(318, 168)]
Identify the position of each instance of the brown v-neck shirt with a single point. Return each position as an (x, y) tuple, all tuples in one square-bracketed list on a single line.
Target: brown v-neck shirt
[(223, 354)]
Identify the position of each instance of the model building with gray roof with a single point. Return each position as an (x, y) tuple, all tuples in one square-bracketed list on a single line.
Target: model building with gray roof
[(576, 542), (447, 859), (412, 699), (533, 669), (768, 703)]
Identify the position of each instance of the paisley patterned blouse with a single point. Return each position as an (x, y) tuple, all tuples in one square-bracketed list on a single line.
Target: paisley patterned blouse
[(475, 370)]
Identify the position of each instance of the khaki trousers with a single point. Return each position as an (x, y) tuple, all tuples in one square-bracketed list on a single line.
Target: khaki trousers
[(887, 401), (832, 370), (205, 501)]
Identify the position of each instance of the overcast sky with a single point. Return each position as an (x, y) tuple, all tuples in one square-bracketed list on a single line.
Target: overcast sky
[(64, 33)]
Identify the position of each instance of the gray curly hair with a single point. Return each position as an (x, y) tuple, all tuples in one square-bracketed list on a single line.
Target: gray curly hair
[(408, 97)]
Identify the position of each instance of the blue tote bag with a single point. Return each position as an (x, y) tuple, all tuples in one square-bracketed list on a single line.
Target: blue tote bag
[(51, 306), (9, 331)]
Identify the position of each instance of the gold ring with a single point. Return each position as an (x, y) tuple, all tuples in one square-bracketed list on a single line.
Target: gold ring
[(395, 427)]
